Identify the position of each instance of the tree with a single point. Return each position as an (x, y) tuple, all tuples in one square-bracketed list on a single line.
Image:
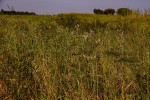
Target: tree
[(109, 11), (2, 11), (124, 11), (98, 11), (13, 12)]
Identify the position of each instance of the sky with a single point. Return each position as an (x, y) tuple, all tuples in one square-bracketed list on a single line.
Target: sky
[(68, 6)]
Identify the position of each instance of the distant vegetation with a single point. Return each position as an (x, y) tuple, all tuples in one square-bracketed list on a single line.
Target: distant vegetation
[(75, 57), (124, 11), (98, 11), (13, 12), (109, 11), (121, 11)]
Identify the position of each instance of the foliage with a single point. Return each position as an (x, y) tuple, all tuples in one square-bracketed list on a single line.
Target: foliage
[(109, 11), (124, 11), (104, 58), (98, 11), (13, 12)]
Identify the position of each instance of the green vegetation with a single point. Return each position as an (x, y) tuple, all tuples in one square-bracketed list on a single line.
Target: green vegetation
[(13, 12), (75, 57), (98, 11), (109, 11), (124, 11)]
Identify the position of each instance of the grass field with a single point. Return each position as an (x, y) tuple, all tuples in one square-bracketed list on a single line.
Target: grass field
[(75, 57)]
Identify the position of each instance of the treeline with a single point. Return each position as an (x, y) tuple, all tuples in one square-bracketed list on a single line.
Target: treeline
[(13, 12), (110, 11)]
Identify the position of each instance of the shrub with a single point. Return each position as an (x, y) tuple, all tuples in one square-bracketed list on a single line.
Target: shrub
[(98, 11), (124, 11), (109, 11), (13, 12)]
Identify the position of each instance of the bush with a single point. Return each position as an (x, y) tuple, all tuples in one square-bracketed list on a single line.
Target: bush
[(109, 11), (13, 12), (98, 11), (124, 11)]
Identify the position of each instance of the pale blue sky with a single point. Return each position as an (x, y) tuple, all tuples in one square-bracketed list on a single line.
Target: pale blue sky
[(66, 6)]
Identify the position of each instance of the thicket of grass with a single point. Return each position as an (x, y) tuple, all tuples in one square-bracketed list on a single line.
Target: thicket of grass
[(74, 57)]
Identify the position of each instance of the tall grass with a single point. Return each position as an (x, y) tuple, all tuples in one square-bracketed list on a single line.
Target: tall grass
[(69, 57)]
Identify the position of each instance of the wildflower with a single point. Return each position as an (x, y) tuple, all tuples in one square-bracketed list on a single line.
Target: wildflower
[(77, 27)]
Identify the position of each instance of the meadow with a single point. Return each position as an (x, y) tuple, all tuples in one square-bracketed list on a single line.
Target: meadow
[(74, 57)]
